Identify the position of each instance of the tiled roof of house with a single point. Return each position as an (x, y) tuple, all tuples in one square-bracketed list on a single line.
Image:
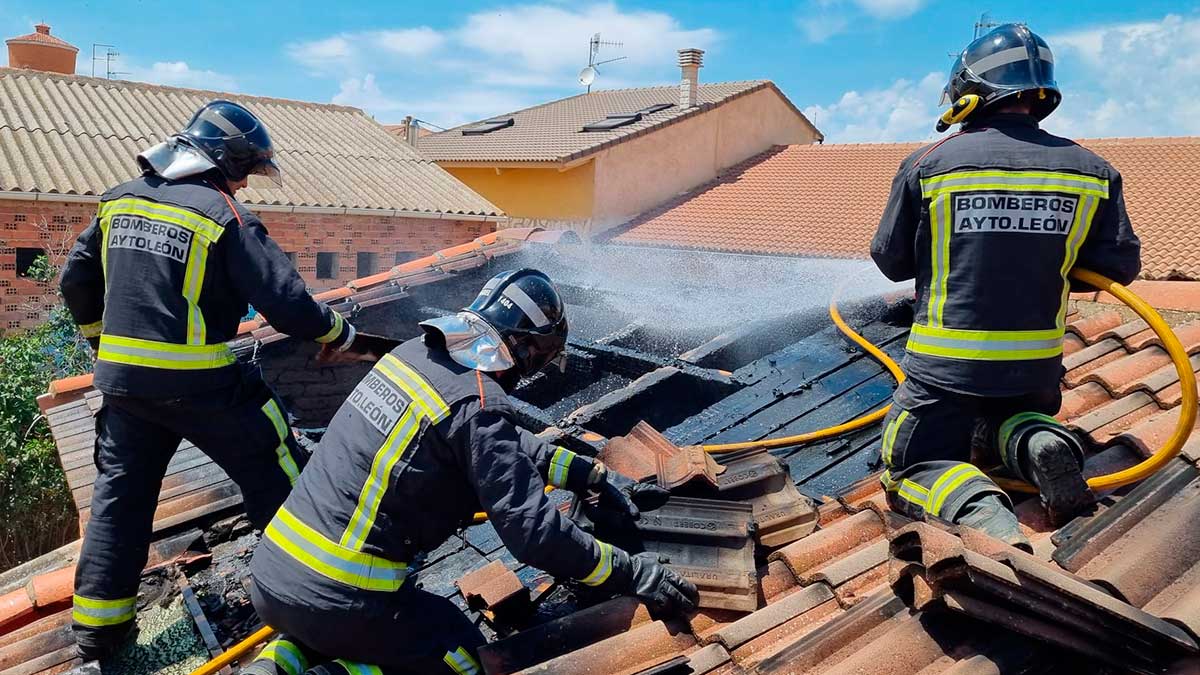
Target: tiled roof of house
[(67, 134), (41, 38), (826, 200), (552, 132), (847, 587)]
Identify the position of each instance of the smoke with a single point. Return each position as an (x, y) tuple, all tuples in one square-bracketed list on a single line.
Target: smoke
[(672, 292)]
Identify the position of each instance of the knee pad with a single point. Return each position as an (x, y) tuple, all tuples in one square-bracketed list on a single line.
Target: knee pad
[(1022, 433)]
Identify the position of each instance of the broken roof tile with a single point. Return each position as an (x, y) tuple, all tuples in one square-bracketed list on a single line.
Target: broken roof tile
[(690, 464), (492, 585), (637, 453)]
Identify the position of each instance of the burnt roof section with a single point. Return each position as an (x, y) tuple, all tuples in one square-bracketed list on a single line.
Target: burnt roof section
[(829, 595)]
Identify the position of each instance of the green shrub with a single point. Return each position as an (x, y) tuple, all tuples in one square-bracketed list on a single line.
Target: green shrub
[(36, 510)]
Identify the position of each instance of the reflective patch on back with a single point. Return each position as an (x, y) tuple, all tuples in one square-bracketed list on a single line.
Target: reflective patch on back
[(379, 401), (137, 233), (1013, 213)]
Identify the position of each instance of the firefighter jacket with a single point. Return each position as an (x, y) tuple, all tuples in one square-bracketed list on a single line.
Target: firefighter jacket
[(419, 446), (162, 277), (990, 222)]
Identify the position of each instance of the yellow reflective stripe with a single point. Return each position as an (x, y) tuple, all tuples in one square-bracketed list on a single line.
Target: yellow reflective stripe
[(91, 330), (947, 483), (283, 452), (154, 354), (889, 436), (603, 566), (1014, 181), (560, 465), (1010, 425), (286, 656), (95, 612), (193, 282), (939, 224), (985, 345), (356, 668), (1080, 228), (334, 331), (376, 485), (906, 489), (1000, 173), (326, 557), (461, 662), (190, 220), (415, 386)]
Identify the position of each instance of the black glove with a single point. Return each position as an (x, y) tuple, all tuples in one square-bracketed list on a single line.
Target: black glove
[(663, 590), (618, 497)]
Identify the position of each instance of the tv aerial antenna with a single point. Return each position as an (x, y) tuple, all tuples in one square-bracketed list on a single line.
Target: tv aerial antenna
[(984, 24), (109, 57), (588, 75)]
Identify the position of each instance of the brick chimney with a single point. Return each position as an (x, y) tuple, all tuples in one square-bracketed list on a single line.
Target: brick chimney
[(690, 61), (40, 50)]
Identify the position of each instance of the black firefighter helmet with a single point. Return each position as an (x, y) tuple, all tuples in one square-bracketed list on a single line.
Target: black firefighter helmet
[(518, 321), (1008, 61), (233, 139)]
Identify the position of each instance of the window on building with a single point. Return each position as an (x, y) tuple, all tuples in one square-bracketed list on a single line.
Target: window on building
[(26, 258), (613, 121), (368, 262), (488, 126), (327, 265), (404, 256)]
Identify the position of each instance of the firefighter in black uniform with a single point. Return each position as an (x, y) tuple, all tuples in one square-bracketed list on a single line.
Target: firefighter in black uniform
[(158, 283), (424, 441), (990, 221)]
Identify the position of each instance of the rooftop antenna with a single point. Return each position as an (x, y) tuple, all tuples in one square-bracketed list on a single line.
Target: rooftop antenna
[(588, 75), (110, 55), (984, 24)]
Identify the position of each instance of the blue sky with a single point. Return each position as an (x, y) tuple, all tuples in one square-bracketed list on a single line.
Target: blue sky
[(865, 70)]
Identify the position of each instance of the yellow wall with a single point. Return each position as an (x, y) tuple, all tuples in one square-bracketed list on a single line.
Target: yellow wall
[(534, 193)]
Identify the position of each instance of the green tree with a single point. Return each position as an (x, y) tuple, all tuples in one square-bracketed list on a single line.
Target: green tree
[(36, 510)]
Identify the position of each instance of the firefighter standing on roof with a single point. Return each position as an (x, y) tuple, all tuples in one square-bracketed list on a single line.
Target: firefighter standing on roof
[(158, 283), (989, 222), (424, 441)]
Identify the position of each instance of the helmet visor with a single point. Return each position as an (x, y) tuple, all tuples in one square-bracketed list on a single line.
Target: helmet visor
[(472, 342), (265, 176)]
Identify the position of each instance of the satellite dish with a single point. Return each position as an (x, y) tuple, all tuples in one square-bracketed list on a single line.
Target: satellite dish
[(587, 76)]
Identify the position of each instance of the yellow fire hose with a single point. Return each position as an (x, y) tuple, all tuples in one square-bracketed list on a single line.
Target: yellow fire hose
[(1179, 357), (235, 652)]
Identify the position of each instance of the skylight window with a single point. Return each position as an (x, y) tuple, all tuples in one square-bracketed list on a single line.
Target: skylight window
[(488, 126), (651, 109), (613, 121)]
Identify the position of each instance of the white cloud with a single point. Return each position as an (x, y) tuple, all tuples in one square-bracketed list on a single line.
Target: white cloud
[(648, 39), (353, 51), (180, 74), (449, 108), (819, 20), (1135, 79), (497, 60), (904, 111)]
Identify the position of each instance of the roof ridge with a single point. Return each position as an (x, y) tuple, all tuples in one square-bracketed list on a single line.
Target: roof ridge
[(589, 93), (85, 80)]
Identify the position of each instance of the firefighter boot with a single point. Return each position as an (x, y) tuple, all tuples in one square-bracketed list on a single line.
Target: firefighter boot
[(989, 514), (282, 656), (1051, 462)]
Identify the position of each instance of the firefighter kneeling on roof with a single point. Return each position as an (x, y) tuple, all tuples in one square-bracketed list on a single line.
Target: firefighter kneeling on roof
[(423, 442), (990, 222)]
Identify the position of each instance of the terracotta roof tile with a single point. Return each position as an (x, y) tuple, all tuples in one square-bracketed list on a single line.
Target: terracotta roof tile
[(1072, 344), (825, 200), (1096, 327), (1119, 374)]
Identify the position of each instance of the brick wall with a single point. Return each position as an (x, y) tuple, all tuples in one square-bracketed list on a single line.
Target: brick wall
[(54, 225)]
